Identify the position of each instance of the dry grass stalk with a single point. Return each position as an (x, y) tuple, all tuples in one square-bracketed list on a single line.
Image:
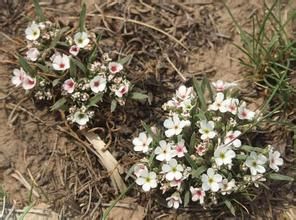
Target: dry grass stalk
[(107, 160)]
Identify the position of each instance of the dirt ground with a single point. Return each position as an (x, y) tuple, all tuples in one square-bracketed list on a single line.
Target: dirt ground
[(38, 150)]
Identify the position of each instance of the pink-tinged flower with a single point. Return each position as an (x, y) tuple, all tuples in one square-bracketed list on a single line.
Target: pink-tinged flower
[(180, 148), (221, 86), (18, 78), (32, 54), (74, 50), (231, 136), (176, 183), (61, 62), (174, 200), (184, 93), (275, 160), (69, 85), (123, 89), (201, 149), (98, 84), (114, 67), (197, 194), (231, 105), (139, 168), (29, 82), (244, 113)]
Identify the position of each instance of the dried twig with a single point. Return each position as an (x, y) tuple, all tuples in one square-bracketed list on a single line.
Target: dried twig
[(107, 159)]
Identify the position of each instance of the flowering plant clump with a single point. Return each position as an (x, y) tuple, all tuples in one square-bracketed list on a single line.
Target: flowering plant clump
[(200, 153), (66, 67)]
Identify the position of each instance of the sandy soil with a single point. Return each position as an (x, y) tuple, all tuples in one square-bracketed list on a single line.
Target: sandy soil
[(64, 173)]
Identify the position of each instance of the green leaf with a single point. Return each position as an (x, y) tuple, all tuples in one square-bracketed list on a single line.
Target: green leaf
[(190, 161), (58, 104), (186, 198), (125, 59), (113, 105), (55, 82), (199, 92), (44, 68), (230, 206), (197, 172), (93, 54), (250, 148), (82, 18), (192, 141), (149, 131), (95, 99), (26, 66), (73, 69), (138, 96), (38, 10), (57, 38), (276, 176), (79, 65)]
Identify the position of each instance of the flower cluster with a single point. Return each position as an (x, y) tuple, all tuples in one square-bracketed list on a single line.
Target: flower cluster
[(200, 151), (68, 70)]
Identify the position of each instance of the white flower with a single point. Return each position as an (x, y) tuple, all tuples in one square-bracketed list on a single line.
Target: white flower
[(164, 151), (18, 78), (255, 163), (28, 82), (258, 178), (231, 136), (115, 67), (197, 194), (180, 148), (211, 181), (275, 160), (61, 62), (244, 113), (184, 93), (69, 85), (207, 129), (147, 180), (223, 155), (123, 89), (74, 50), (142, 142), (81, 39), (139, 168), (32, 54), (174, 126), (173, 170), (98, 84), (174, 200), (80, 118), (227, 186), (220, 86), (231, 105), (32, 32), (218, 103)]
